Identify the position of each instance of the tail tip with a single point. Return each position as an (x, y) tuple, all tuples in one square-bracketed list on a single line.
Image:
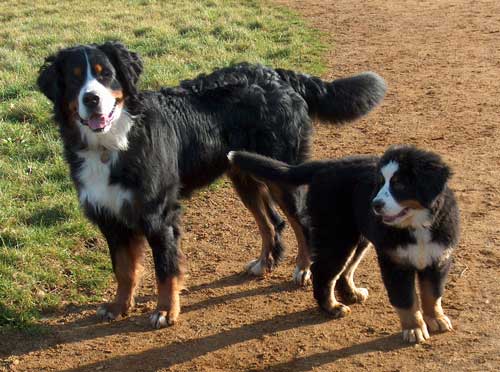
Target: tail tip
[(231, 155), (377, 85)]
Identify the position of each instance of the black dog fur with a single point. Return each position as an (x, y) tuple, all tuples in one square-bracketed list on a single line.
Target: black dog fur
[(339, 211), (178, 141)]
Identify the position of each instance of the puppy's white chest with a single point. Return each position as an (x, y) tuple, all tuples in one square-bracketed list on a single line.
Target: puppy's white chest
[(95, 189), (422, 254)]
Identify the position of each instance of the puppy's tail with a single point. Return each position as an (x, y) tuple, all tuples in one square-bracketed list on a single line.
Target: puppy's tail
[(341, 100), (269, 169)]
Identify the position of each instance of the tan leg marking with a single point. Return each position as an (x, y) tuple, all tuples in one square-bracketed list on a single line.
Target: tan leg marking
[(433, 312), (412, 322), (332, 306), (354, 294), (169, 304), (257, 206), (302, 273), (129, 266)]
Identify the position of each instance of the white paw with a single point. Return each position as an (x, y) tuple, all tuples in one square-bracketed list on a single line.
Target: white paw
[(230, 156), (302, 277), (256, 268), (440, 324), (104, 314), (361, 294), (160, 319), (416, 335)]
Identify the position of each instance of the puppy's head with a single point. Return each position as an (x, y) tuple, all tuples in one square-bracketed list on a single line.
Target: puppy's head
[(410, 180), (89, 84)]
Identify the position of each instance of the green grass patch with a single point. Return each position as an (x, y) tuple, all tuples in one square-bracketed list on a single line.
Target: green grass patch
[(49, 254)]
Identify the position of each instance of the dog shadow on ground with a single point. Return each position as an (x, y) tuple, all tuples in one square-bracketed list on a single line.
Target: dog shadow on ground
[(86, 326), (178, 353)]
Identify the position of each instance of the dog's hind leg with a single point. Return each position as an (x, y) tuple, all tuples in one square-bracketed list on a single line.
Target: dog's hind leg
[(127, 255), (345, 285), (255, 196), (289, 199)]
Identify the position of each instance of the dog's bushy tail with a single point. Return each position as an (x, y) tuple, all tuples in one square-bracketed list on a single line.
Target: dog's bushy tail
[(269, 169), (341, 100)]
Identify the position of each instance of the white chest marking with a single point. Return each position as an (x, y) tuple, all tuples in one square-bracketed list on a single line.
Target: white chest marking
[(422, 254), (95, 188)]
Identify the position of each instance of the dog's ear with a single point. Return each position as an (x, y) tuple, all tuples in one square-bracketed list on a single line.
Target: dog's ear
[(432, 176), (128, 65), (49, 79)]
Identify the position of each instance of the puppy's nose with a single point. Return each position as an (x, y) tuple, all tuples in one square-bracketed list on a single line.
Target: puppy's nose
[(91, 100), (377, 206)]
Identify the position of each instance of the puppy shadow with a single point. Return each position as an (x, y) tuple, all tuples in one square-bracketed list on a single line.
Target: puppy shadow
[(165, 357), (308, 363)]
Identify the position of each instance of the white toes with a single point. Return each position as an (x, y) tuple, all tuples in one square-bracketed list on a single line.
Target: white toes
[(256, 268), (362, 294), (416, 335), (302, 277), (105, 315), (159, 319), (439, 324)]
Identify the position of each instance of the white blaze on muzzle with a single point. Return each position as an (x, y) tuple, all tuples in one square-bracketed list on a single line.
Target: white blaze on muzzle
[(106, 110), (390, 206)]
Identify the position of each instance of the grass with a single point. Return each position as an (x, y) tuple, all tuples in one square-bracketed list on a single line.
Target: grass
[(49, 253)]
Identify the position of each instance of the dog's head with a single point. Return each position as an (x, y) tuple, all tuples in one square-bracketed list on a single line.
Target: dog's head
[(410, 181), (89, 84)]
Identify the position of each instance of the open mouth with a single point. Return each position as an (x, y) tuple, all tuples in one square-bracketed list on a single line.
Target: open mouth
[(98, 122), (390, 219)]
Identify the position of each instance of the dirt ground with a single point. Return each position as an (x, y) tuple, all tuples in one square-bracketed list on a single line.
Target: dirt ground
[(441, 60)]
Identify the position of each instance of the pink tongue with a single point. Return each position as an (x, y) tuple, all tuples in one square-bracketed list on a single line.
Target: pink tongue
[(97, 122)]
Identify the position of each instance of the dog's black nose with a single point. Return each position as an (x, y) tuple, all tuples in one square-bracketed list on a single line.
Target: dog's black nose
[(377, 206), (91, 100)]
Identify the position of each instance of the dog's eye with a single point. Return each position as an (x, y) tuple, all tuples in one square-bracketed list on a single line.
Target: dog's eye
[(396, 184), (106, 74)]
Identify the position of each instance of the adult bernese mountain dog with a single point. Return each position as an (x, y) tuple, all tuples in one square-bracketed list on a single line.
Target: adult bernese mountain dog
[(400, 203), (132, 155)]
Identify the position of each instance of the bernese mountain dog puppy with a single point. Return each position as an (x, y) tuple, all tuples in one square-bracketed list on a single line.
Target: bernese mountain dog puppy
[(400, 203), (132, 155)]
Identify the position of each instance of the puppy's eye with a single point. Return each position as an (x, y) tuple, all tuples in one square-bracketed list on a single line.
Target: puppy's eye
[(396, 184)]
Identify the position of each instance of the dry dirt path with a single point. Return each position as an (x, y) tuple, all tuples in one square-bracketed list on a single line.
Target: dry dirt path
[(441, 60)]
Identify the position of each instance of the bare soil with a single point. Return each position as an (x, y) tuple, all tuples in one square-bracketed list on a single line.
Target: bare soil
[(441, 60)]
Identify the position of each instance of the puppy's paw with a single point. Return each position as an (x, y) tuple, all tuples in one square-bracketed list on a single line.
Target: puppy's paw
[(302, 277), (356, 296), (338, 310), (160, 319), (416, 335), (440, 323), (256, 268), (109, 312)]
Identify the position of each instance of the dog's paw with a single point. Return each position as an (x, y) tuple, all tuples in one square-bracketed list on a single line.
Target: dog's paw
[(256, 268), (438, 324), (416, 335), (160, 319), (302, 277), (338, 310), (108, 313), (360, 295)]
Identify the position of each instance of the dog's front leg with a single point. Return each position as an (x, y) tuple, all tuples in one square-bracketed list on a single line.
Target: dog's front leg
[(163, 234), (126, 248), (431, 282), (400, 284)]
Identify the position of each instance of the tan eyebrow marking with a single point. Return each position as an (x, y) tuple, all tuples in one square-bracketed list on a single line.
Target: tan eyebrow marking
[(98, 68), (77, 71)]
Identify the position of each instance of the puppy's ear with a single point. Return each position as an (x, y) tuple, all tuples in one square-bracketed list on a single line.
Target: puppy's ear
[(128, 65), (431, 180), (49, 79)]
